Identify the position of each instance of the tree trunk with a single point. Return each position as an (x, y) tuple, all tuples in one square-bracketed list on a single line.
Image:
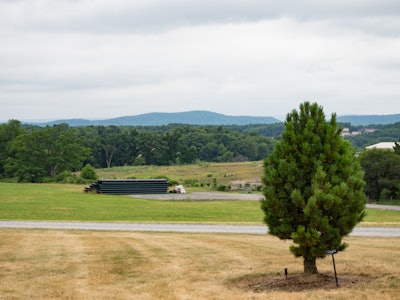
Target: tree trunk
[(53, 171), (310, 265)]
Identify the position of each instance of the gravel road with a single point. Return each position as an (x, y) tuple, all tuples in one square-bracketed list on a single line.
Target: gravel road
[(210, 196), (387, 207), (200, 196), (194, 228)]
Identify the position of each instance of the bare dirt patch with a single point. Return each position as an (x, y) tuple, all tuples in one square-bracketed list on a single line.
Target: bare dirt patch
[(297, 282)]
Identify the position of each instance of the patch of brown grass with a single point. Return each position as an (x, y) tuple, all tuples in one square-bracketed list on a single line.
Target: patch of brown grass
[(50, 264)]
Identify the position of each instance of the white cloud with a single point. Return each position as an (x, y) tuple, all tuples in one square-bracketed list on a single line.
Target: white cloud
[(63, 59)]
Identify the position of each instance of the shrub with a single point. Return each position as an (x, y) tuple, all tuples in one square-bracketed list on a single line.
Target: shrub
[(80, 180), (172, 182), (191, 182), (215, 183), (222, 188), (384, 195), (66, 177), (88, 173)]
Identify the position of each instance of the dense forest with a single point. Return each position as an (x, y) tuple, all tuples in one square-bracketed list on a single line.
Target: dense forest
[(34, 154)]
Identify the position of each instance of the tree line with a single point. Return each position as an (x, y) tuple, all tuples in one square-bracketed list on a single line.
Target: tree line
[(381, 173), (36, 154)]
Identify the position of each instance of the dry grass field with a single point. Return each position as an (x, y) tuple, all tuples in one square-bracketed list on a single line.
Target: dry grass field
[(50, 264)]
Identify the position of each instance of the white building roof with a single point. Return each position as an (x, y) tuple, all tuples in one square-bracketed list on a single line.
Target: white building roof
[(383, 145)]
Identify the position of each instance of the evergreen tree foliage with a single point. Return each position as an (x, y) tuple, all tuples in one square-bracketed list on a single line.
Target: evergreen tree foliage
[(313, 186)]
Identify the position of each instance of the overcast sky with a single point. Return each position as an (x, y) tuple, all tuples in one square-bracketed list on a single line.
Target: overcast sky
[(99, 59)]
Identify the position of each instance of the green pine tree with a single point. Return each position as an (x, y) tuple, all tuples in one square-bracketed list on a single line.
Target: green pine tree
[(313, 186)]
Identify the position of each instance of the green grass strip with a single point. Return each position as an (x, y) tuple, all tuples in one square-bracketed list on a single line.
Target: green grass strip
[(69, 202)]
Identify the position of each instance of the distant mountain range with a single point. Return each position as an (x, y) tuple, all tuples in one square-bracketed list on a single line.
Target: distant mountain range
[(365, 120), (200, 117)]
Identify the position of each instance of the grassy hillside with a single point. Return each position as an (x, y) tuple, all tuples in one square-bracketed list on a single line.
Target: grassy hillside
[(203, 174)]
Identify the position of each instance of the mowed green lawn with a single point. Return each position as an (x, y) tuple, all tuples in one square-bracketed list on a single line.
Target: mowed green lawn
[(69, 202)]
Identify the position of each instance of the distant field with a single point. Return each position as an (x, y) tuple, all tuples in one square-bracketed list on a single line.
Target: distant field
[(69, 202), (203, 173)]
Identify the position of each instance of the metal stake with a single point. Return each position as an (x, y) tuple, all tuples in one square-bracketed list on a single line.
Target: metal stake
[(332, 252), (334, 268)]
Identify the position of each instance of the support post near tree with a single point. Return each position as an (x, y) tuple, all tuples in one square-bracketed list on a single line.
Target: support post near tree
[(333, 252)]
